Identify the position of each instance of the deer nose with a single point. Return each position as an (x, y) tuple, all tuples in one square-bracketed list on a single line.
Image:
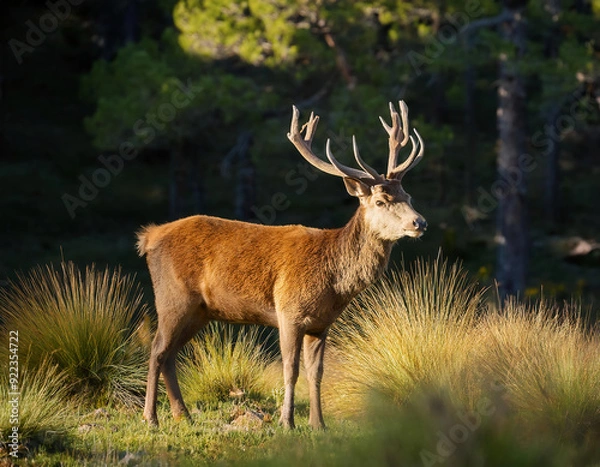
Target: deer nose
[(420, 223)]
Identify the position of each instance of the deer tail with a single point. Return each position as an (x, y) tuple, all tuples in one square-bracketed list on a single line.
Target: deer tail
[(143, 239)]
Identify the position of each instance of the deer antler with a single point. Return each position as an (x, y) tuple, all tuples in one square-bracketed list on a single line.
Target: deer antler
[(303, 145), (398, 138)]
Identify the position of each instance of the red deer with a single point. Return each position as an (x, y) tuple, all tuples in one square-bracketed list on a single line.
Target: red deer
[(298, 279)]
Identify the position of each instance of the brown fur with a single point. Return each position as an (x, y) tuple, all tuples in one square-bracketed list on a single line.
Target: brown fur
[(295, 278)]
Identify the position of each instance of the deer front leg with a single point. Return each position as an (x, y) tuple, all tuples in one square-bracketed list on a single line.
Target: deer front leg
[(314, 349), (290, 339)]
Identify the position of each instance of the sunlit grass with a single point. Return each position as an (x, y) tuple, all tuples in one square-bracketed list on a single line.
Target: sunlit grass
[(221, 364), (83, 323), (430, 374), (411, 329), (548, 363), (424, 331), (41, 404)]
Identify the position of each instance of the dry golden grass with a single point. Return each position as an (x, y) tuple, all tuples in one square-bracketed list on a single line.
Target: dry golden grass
[(407, 331), (547, 361), (425, 329)]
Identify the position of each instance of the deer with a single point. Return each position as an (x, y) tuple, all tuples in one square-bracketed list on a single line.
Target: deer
[(295, 278)]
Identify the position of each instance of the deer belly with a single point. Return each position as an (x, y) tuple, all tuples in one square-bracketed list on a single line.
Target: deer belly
[(234, 308)]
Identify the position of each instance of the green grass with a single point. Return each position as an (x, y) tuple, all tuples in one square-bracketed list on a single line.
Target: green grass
[(41, 404), (221, 364), (84, 323), (419, 371)]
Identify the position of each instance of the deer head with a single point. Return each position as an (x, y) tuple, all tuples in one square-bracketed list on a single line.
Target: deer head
[(388, 210)]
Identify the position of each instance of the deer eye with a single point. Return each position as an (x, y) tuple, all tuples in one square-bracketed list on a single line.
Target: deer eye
[(379, 203)]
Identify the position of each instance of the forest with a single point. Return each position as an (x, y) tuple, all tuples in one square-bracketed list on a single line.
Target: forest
[(121, 113)]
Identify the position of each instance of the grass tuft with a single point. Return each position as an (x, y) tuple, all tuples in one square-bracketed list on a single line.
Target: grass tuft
[(435, 377), (407, 331), (221, 364), (41, 407), (424, 331), (83, 323), (548, 363)]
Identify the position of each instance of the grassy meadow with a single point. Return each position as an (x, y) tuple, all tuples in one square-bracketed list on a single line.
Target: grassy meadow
[(423, 369)]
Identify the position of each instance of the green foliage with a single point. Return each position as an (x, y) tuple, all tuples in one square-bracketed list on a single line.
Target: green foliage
[(247, 61), (135, 84), (222, 364), (84, 324), (256, 31)]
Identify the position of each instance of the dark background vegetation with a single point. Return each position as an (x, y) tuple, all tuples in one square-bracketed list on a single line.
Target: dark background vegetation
[(490, 85)]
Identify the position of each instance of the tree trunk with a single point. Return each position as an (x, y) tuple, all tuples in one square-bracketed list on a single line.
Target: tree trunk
[(440, 105), (245, 187), (196, 180), (470, 122), (510, 189), (185, 187), (551, 177), (245, 193), (131, 21), (118, 24), (176, 181)]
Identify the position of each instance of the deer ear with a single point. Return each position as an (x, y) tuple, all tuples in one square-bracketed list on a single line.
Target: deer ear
[(356, 187)]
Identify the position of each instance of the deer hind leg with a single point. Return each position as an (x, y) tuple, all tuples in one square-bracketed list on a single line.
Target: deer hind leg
[(169, 370), (290, 339), (172, 334), (314, 349)]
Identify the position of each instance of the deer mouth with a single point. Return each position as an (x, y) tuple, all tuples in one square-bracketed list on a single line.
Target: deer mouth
[(417, 232)]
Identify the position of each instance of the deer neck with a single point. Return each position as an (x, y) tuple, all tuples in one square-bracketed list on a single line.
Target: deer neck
[(360, 257)]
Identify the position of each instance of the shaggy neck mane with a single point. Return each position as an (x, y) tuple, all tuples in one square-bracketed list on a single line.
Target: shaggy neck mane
[(359, 256)]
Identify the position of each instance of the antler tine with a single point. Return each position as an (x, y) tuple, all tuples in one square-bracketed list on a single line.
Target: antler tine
[(367, 168), (412, 160), (419, 156), (404, 118), (303, 145), (345, 171), (311, 128), (399, 138), (396, 171)]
